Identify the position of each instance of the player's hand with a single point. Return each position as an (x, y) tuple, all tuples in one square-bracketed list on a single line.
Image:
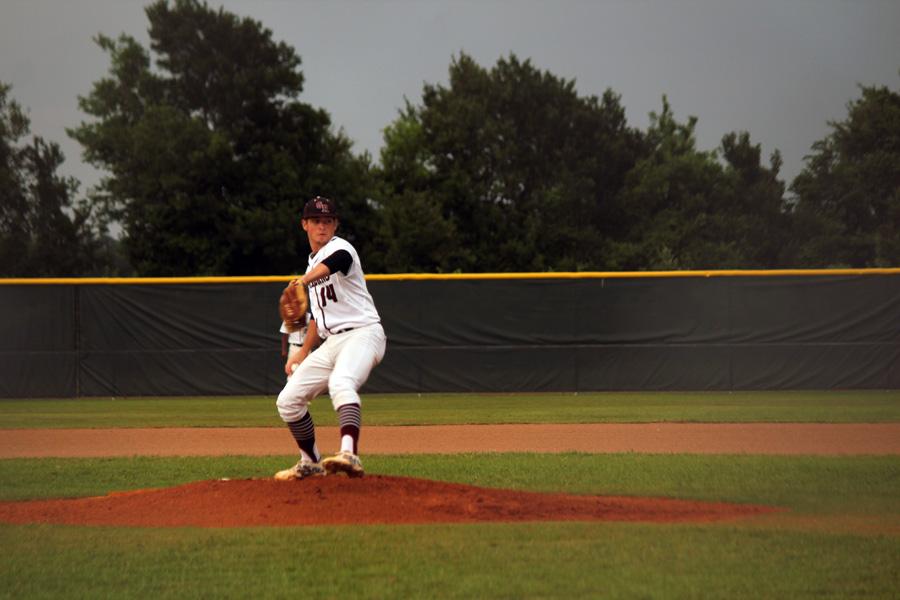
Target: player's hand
[(291, 366)]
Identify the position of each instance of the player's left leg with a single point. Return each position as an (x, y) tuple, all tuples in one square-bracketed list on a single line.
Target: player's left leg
[(357, 355)]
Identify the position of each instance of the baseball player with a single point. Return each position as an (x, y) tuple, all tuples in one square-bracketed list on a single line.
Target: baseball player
[(346, 330)]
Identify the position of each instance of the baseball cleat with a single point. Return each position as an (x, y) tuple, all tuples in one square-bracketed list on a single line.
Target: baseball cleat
[(302, 470), (344, 462)]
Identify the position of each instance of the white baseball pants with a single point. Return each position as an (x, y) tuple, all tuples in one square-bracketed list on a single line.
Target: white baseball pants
[(341, 364)]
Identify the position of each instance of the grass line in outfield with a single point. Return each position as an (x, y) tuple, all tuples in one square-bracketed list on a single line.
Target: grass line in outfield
[(448, 409), (835, 541)]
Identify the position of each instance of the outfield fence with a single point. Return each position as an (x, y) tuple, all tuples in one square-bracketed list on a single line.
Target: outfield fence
[(512, 332)]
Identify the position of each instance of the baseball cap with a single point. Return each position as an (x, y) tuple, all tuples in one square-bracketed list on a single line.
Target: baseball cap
[(319, 207)]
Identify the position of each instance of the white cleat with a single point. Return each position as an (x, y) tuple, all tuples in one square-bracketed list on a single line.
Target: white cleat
[(344, 462), (302, 470)]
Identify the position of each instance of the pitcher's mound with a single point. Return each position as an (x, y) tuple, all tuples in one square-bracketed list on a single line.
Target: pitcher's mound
[(337, 500)]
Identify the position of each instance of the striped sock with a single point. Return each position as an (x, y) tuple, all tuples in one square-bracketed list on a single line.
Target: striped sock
[(304, 432), (350, 420)]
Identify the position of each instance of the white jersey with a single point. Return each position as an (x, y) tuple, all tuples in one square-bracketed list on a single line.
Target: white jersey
[(294, 337), (340, 302)]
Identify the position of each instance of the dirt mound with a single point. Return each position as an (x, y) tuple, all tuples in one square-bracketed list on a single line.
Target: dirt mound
[(338, 500)]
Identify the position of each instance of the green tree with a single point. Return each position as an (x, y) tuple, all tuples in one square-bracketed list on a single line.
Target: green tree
[(848, 195), (209, 152), (516, 170), (43, 231), (760, 220), (668, 200), (414, 234), (686, 210)]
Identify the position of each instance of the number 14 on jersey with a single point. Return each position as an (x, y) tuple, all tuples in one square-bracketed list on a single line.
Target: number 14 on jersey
[(326, 293)]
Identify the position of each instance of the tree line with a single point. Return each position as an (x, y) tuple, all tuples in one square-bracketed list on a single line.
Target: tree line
[(209, 154)]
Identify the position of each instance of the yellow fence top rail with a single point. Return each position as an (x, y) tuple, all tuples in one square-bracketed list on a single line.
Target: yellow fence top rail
[(636, 274), (456, 276)]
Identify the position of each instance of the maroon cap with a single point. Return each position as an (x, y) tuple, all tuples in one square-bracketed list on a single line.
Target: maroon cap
[(319, 207)]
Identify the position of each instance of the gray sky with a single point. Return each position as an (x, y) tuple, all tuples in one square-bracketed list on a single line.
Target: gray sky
[(779, 69)]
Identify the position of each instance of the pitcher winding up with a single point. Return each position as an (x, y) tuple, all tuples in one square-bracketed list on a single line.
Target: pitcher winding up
[(346, 333)]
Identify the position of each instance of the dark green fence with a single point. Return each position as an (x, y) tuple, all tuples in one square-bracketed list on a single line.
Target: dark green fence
[(713, 331)]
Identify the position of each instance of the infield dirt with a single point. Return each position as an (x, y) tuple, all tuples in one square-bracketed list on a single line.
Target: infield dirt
[(691, 438), (338, 500)]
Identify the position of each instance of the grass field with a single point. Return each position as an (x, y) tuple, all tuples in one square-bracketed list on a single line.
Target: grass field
[(839, 538), (456, 409)]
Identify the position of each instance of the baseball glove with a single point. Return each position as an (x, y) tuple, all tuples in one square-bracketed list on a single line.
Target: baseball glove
[(293, 305)]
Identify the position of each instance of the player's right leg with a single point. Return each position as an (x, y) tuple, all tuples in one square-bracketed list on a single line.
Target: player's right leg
[(308, 381)]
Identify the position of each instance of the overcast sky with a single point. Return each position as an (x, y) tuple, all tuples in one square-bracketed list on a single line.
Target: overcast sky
[(779, 69)]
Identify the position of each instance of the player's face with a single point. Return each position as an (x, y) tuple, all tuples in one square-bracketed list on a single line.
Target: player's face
[(320, 230)]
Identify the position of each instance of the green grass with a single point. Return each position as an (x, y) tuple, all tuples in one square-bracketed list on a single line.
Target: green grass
[(556, 560), (770, 557), (439, 409)]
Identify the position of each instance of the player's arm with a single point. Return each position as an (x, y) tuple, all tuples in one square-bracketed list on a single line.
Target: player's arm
[(339, 261), (310, 342)]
